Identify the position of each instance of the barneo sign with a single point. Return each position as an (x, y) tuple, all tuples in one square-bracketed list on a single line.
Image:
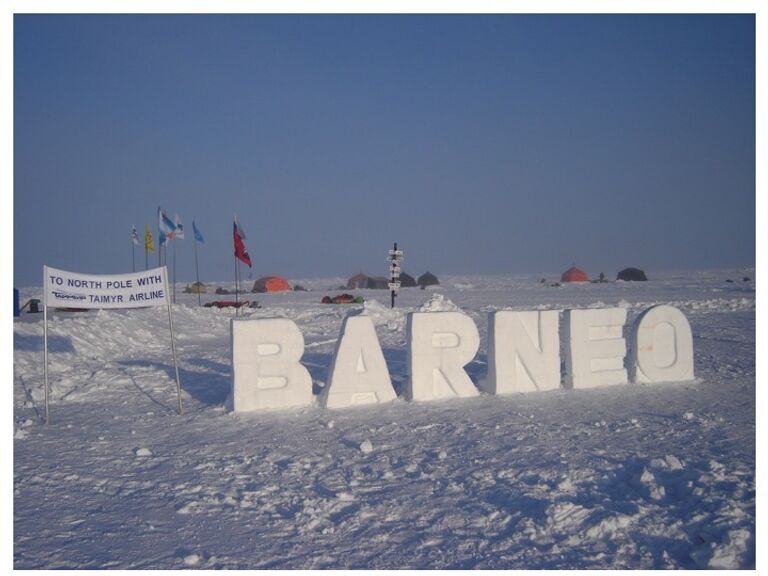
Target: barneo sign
[(74, 290), (523, 355)]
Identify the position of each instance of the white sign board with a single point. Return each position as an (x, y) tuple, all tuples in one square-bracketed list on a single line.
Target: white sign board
[(64, 289)]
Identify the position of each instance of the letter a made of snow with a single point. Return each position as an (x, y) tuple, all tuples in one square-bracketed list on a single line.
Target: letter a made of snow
[(358, 373)]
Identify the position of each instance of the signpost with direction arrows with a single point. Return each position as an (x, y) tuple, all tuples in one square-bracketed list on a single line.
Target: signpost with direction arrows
[(395, 257)]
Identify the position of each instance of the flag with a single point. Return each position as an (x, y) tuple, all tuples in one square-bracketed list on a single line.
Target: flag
[(149, 246), (241, 252), (179, 227), (163, 238), (165, 224), (134, 235), (240, 229), (196, 232)]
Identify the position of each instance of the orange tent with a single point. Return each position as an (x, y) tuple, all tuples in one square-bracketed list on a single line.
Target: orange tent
[(573, 274), (271, 284)]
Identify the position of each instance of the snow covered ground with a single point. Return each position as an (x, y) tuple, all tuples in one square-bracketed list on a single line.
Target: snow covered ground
[(634, 476)]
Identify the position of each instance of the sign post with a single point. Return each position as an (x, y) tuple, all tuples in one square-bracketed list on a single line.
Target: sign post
[(62, 289), (45, 357), (173, 346), (395, 257)]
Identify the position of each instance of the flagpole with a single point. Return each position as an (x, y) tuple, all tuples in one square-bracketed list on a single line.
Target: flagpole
[(174, 272), (133, 254), (197, 272), (237, 285), (173, 346)]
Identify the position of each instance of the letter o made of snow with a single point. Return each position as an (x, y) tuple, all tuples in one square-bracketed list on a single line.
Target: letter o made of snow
[(358, 373), (440, 344), (662, 346), (266, 373)]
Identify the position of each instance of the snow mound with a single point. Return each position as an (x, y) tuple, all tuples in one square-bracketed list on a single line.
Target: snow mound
[(439, 303), (380, 315)]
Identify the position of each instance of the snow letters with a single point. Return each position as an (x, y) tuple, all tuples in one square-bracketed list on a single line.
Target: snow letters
[(523, 355)]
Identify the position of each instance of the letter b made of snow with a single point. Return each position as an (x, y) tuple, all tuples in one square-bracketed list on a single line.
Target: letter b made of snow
[(440, 344), (662, 346), (266, 373)]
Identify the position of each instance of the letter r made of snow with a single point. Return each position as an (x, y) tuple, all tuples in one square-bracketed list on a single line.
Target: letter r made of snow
[(596, 347), (440, 344), (266, 373), (523, 351)]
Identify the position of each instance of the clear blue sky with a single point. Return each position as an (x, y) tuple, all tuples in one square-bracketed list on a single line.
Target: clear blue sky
[(481, 144)]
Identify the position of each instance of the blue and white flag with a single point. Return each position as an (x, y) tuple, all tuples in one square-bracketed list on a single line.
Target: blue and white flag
[(179, 227), (165, 224), (134, 235), (198, 235)]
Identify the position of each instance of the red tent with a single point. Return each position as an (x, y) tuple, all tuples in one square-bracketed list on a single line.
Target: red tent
[(573, 274), (271, 284)]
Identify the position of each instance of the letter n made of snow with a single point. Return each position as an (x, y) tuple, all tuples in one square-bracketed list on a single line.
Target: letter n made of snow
[(662, 346), (596, 347), (523, 351), (440, 344), (358, 373), (266, 373)]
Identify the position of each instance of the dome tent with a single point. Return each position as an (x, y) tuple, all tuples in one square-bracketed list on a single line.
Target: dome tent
[(271, 284), (357, 281), (196, 288), (427, 279), (407, 281), (573, 274), (632, 275), (377, 283)]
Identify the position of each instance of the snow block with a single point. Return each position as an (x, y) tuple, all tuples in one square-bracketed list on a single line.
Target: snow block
[(358, 373), (440, 344), (596, 347), (662, 346), (523, 351), (266, 373)]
